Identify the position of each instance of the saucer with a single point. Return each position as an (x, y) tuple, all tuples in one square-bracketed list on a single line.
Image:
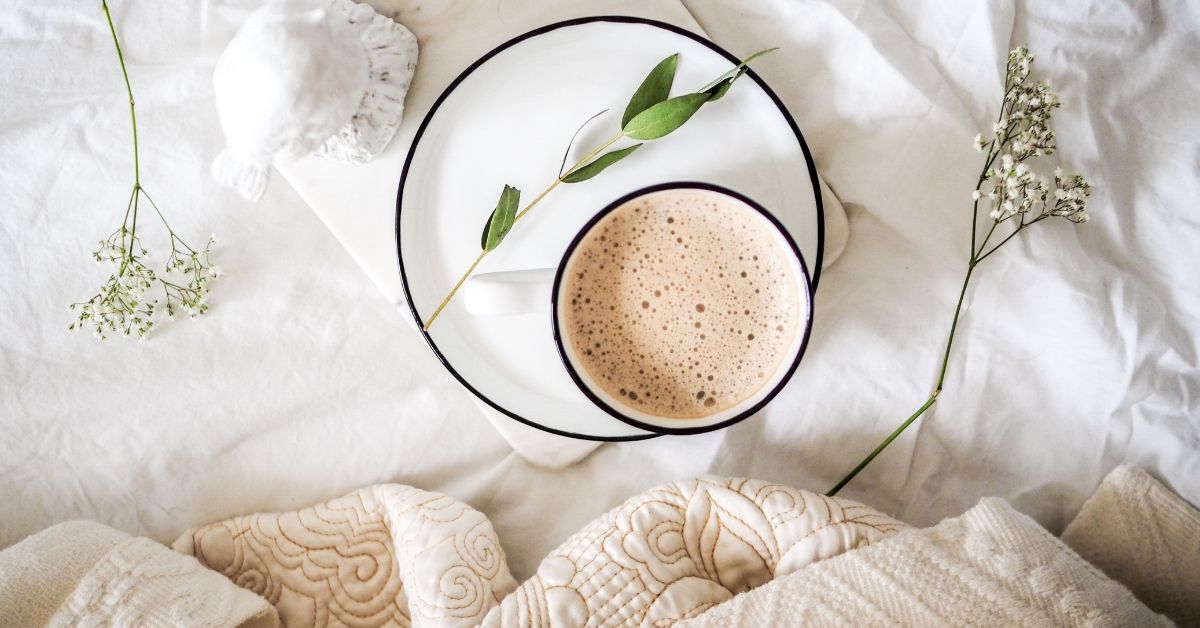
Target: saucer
[(507, 120)]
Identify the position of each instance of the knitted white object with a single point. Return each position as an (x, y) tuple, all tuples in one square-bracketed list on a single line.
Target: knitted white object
[(391, 62), (1138, 532), (991, 566), (300, 76)]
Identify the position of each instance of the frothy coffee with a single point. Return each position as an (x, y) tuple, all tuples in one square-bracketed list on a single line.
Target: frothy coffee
[(681, 303)]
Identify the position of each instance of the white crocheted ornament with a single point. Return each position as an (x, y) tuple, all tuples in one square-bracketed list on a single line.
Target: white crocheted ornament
[(324, 77)]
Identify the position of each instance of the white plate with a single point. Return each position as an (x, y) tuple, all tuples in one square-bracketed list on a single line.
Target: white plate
[(507, 119)]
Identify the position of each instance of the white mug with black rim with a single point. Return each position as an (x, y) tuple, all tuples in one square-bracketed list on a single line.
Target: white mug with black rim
[(517, 292)]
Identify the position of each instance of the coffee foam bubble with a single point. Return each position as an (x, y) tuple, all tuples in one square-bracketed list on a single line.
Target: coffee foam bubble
[(681, 303)]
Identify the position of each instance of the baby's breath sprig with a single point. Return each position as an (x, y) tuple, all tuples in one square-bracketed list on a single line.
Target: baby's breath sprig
[(125, 304), (1014, 196)]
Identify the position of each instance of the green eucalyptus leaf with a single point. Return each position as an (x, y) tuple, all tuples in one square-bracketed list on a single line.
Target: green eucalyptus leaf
[(663, 118), (735, 72), (718, 91), (583, 173), (502, 218), (653, 90)]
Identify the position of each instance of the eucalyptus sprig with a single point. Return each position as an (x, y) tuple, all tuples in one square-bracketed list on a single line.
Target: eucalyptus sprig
[(650, 115), (124, 304), (1016, 197)]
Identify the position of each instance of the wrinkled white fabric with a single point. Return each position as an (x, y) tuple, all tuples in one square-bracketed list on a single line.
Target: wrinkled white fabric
[(237, 411), (1079, 347)]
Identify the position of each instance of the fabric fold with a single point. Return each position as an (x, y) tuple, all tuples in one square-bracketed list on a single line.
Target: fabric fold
[(990, 566), (83, 573), (385, 555), (1139, 532)]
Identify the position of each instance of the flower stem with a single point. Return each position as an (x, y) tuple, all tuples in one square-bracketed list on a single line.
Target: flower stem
[(980, 258), (482, 254), (953, 328), (883, 445), (137, 180), (129, 90), (937, 390), (995, 148)]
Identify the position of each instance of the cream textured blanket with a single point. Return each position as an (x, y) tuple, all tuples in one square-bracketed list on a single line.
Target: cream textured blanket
[(1145, 536), (386, 555), (703, 552), (992, 566), (82, 573), (392, 555)]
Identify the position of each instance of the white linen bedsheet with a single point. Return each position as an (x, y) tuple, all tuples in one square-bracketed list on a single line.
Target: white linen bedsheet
[(1078, 350)]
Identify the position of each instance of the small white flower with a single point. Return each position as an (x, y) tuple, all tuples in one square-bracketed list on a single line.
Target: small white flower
[(976, 195)]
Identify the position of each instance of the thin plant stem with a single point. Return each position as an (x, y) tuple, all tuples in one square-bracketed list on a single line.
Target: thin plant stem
[(129, 90), (941, 379), (977, 256), (937, 390), (458, 284), (977, 249), (137, 173), (120, 304), (962, 293), (482, 254), (883, 445), (171, 232), (1023, 225)]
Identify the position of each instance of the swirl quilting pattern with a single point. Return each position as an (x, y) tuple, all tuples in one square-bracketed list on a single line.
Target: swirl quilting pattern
[(386, 555), (675, 551)]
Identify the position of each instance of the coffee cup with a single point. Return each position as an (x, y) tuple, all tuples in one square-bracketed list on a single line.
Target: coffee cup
[(678, 308)]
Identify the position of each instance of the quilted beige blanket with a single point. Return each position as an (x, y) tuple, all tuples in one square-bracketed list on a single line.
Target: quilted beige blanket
[(709, 552)]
